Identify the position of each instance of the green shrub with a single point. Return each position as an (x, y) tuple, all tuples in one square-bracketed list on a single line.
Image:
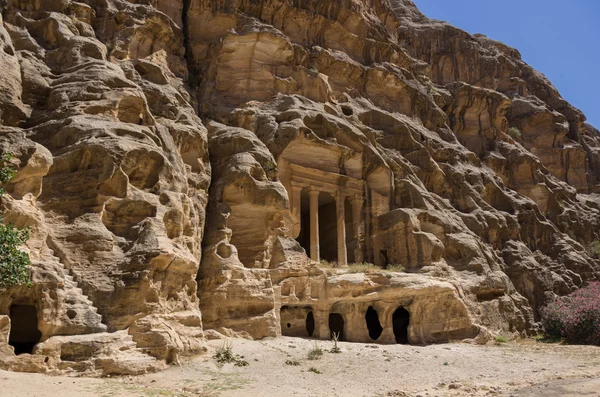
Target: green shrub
[(224, 355), (594, 249), (315, 353), (371, 268), (293, 363), (514, 132), (335, 337), (14, 263), (575, 317), (326, 264), (313, 369), (501, 339)]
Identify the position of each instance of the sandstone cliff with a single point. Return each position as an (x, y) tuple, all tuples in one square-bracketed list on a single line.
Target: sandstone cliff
[(179, 157)]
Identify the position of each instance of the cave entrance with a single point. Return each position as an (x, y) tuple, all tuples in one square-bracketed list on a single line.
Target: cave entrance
[(383, 259), (24, 332), (327, 228), (373, 324), (400, 320), (336, 325), (310, 323), (297, 321)]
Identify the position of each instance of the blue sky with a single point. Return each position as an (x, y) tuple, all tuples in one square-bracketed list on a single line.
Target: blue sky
[(560, 38)]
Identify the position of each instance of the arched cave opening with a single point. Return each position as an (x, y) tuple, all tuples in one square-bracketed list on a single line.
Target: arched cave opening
[(297, 321), (373, 324), (400, 320), (336, 325), (310, 323), (24, 332)]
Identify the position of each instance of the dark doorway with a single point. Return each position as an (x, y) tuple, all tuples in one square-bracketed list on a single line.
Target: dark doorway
[(310, 323), (24, 332), (304, 237), (336, 325), (373, 324), (351, 242), (327, 227), (400, 320), (295, 321), (383, 258)]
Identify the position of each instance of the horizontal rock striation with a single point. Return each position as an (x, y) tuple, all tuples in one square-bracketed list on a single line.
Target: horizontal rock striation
[(184, 157)]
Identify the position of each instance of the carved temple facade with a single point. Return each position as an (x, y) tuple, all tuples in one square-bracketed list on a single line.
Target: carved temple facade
[(334, 207)]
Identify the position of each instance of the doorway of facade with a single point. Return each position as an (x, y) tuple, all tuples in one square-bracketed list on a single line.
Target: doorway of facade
[(400, 321)]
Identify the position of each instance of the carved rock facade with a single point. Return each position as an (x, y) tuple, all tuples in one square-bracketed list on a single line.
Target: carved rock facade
[(179, 157)]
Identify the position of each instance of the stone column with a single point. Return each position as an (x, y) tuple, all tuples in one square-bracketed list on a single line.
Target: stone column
[(358, 226), (296, 203), (342, 256), (321, 324), (313, 194)]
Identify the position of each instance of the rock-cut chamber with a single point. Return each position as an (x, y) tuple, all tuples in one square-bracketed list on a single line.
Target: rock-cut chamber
[(297, 321), (373, 324), (24, 332), (336, 325), (400, 321)]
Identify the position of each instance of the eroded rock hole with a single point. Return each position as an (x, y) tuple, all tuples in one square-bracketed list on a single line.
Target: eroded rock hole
[(310, 324), (24, 332), (71, 314), (224, 250), (347, 110), (373, 324), (336, 325), (400, 320)]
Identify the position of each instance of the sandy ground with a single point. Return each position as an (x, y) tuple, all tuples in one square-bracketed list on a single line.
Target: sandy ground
[(509, 369)]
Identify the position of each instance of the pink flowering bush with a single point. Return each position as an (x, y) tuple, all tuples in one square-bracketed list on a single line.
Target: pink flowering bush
[(575, 317)]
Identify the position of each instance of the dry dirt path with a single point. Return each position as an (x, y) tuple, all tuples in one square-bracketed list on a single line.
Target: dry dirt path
[(513, 369)]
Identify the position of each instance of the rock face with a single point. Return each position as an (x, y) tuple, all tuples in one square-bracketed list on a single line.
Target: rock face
[(179, 157)]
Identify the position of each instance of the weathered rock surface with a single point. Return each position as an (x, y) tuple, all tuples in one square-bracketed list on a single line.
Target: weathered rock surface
[(178, 158)]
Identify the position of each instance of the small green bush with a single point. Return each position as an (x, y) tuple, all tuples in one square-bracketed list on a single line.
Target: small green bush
[(514, 132), (313, 369), (315, 353), (224, 355), (14, 263), (335, 337), (293, 363), (594, 249), (501, 339), (371, 268)]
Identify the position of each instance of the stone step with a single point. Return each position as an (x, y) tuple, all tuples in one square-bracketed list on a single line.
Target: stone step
[(81, 304)]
